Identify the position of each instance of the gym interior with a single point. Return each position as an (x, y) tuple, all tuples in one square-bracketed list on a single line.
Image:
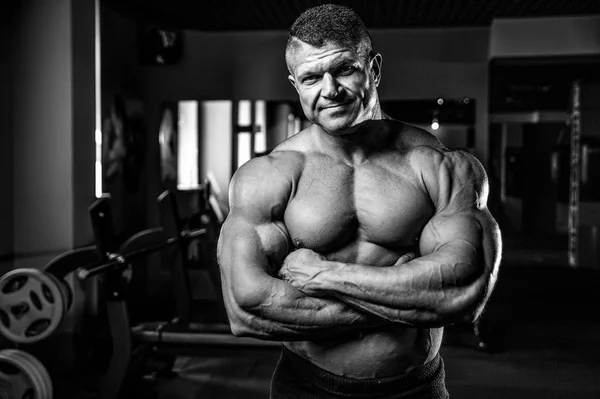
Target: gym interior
[(121, 228)]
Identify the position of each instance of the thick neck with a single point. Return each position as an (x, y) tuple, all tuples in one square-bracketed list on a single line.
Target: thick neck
[(354, 144)]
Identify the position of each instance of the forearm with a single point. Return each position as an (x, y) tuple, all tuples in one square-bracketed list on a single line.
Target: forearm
[(286, 314), (411, 317), (433, 290)]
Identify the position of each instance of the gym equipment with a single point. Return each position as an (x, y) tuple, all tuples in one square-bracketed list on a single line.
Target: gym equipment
[(575, 122), (116, 273), (33, 304), (181, 333), (81, 345), (84, 295), (201, 261), (583, 204), (90, 283), (122, 260), (99, 363), (107, 302), (112, 269), (22, 376), (119, 264)]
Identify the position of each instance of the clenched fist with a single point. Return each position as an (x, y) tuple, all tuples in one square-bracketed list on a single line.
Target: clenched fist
[(302, 268)]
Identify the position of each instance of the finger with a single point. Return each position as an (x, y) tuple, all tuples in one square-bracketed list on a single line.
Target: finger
[(282, 273), (407, 257)]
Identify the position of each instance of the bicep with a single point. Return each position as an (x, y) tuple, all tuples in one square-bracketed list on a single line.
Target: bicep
[(462, 224), (468, 239), (443, 229), (459, 188), (249, 255), (253, 239)]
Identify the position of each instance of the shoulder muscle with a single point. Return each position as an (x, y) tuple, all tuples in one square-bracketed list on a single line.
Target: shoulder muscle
[(455, 179), (261, 188)]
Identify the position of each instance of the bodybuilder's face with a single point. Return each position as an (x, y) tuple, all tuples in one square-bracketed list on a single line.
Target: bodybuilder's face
[(337, 86)]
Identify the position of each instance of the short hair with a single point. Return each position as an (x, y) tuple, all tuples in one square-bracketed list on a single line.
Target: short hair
[(329, 23)]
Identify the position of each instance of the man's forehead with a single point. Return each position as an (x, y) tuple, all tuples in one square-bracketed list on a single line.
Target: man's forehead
[(307, 56)]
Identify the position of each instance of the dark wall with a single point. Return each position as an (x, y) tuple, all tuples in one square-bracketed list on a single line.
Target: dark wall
[(47, 113), (83, 119), (120, 77), (539, 191), (6, 141), (53, 162)]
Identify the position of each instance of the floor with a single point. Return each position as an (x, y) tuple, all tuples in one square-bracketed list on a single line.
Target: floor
[(542, 324)]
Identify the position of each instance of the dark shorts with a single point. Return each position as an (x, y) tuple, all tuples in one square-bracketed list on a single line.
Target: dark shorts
[(296, 377)]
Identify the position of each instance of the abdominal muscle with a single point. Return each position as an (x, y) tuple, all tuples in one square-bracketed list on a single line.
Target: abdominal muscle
[(374, 352)]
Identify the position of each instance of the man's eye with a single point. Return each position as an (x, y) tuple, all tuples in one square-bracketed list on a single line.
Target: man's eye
[(347, 70), (310, 79)]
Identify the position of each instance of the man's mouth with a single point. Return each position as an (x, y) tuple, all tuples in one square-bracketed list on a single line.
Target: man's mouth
[(336, 105)]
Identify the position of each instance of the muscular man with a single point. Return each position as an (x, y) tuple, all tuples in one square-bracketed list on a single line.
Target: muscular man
[(358, 239)]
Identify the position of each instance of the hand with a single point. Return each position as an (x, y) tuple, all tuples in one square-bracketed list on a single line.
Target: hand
[(300, 269)]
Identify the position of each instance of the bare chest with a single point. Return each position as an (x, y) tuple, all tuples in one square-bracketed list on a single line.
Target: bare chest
[(335, 206)]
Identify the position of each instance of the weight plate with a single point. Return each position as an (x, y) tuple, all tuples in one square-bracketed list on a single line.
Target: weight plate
[(32, 305), (37, 369), (22, 376), (30, 373), (14, 383), (65, 290), (43, 372)]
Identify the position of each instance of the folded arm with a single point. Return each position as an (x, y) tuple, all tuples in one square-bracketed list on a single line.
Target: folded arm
[(252, 246), (452, 280)]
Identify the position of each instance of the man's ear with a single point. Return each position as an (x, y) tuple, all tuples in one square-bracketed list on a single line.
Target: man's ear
[(376, 63), (293, 82)]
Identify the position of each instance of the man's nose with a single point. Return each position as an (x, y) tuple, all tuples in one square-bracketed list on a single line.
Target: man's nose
[(329, 87)]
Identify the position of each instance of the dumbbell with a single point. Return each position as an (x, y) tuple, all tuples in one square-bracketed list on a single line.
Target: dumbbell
[(33, 303), (23, 376)]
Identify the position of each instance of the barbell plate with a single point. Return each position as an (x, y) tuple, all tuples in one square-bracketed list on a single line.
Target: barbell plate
[(32, 305), (23, 376), (13, 382), (37, 369), (36, 388), (65, 291)]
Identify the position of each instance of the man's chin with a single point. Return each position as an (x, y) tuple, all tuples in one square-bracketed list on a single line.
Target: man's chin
[(342, 129), (339, 130)]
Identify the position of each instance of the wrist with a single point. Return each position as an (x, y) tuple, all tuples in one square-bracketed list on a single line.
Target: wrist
[(326, 279)]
